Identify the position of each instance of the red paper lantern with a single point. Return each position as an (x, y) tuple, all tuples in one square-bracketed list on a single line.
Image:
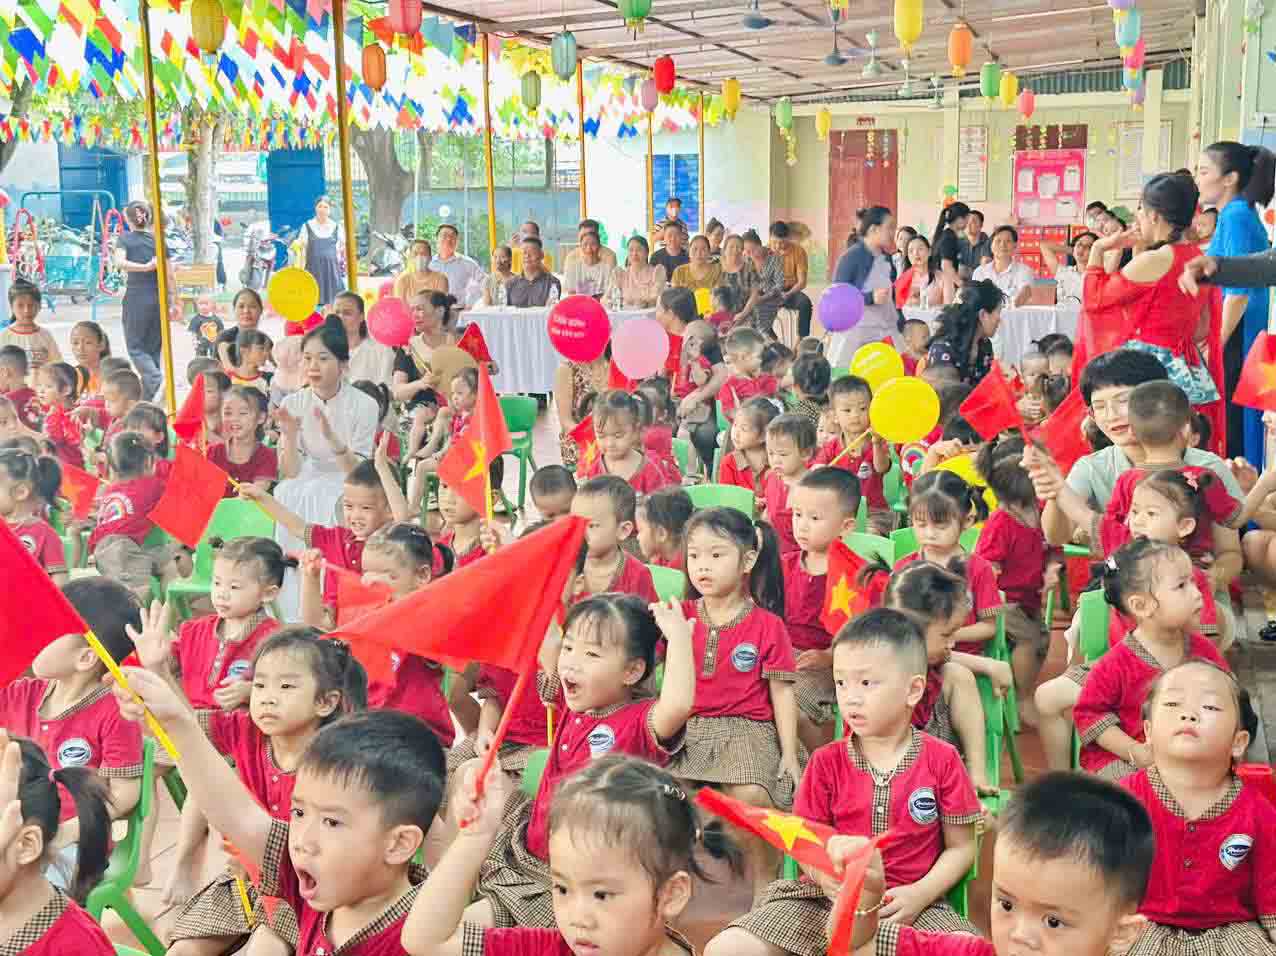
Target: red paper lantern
[(374, 66), (664, 73), (405, 16)]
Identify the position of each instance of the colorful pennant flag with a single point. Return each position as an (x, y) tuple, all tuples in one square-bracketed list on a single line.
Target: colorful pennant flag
[(194, 488), (844, 596), (1256, 388)]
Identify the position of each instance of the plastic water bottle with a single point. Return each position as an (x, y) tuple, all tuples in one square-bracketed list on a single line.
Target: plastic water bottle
[(502, 296), (553, 295)]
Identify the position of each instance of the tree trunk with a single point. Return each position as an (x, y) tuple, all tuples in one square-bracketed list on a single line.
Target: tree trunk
[(201, 198), (389, 184), (22, 98)]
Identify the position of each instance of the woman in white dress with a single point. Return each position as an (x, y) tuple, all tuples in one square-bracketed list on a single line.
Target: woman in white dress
[(325, 428)]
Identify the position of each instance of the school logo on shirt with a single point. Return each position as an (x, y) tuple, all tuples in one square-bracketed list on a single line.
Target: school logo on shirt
[(1235, 849), (601, 739), (239, 669), (396, 661), (75, 752), (923, 807), (115, 507), (865, 471), (28, 542), (744, 658)]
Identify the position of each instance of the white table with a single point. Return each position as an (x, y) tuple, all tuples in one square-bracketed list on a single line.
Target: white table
[(520, 346), (1019, 327)]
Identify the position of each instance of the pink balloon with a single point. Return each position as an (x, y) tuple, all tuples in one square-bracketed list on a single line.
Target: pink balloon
[(386, 290), (579, 328), (390, 322), (639, 347)]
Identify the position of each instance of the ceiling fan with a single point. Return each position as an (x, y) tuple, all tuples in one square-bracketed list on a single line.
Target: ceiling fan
[(755, 19), (837, 56), (872, 68)]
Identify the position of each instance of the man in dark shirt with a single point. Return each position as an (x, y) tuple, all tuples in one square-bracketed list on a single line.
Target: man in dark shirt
[(674, 253), (673, 214), (973, 243), (531, 290)]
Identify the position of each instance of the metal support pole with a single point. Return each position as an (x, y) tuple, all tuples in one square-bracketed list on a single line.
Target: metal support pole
[(487, 146), (580, 109), (343, 142), (651, 170), (700, 130)]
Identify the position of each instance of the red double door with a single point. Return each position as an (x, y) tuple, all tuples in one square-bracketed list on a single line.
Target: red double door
[(860, 175)]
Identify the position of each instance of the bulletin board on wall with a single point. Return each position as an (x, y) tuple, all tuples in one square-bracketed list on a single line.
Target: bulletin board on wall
[(1048, 186), (972, 164), (1130, 172)]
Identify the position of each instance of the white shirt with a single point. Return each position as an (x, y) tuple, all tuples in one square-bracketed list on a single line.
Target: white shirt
[(1069, 286), (353, 417), (372, 361), (1016, 277), (460, 271)]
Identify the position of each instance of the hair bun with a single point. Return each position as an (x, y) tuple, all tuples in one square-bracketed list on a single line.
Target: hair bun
[(216, 543)]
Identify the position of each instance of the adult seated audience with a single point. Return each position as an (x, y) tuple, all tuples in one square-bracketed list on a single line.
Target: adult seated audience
[(417, 276), (715, 232), (768, 287), (1011, 276), (1068, 263), (499, 279), (583, 227), (794, 262), (700, 272), (433, 322), (464, 275), (640, 283), (674, 253), (369, 359), (531, 289), (587, 271), (974, 246), (966, 327)]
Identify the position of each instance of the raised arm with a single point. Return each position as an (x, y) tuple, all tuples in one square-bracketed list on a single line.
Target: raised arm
[(291, 521), (678, 692)]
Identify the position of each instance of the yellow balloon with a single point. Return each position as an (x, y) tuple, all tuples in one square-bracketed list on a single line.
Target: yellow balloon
[(964, 467), (877, 363), (904, 410), (293, 293), (703, 303)]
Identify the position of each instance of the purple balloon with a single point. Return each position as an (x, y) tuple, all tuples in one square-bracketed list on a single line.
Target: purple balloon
[(841, 307)]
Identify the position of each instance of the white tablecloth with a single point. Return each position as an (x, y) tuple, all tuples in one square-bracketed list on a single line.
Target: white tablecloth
[(1019, 327), (520, 346)]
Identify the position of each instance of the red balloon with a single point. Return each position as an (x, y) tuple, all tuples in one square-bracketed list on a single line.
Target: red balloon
[(579, 328), (390, 322)]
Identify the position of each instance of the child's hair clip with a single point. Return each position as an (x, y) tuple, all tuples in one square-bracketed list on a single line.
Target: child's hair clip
[(1192, 481), (676, 793)]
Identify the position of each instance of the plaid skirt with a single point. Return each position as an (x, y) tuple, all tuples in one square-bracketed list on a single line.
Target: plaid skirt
[(1232, 939), (513, 879), (1023, 628), (941, 723), (816, 695), (1117, 770), (513, 758), (793, 915), (1077, 673), (216, 910), (735, 750)]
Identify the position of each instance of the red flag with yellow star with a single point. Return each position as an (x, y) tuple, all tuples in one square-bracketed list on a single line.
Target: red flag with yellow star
[(586, 445), (844, 596), (1256, 388), (79, 488), (990, 408), (465, 466), (188, 424)]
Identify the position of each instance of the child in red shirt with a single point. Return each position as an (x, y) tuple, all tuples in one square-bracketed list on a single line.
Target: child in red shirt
[(48, 920), (742, 733), (461, 523), (13, 385), (57, 385), (451, 421), (886, 775), (593, 673), (123, 515), (657, 432), (1211, 885), (1152, 583), (858, 450), (743, 351), (618, 422), (790, 443), (609, 505), (29, 484), (661, 518), (243, 455), (746, 463)]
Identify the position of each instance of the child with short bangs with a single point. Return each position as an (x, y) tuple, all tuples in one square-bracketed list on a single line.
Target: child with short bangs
[(746, 463), (252, 348), (13, 385), (367, 789), (916, 335), (552, 489), (29, 484), (595, 671), (657, 432), (693, 386), (1070, 867), (619, 823), (151, 422), (661, 518), (858, 450), (609, 504), (1152, 583), (618, 426), (123, 522), (57, 386), (1199, 723), (824, 504), (743, 349), (244, 455), (38, 343), (886, 775), (790, 443)]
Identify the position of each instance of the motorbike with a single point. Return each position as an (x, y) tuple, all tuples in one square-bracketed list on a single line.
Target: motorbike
[(390, 258), (264, 253)]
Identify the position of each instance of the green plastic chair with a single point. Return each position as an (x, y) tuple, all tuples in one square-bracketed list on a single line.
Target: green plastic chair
[(894, 491), (232, 518), (1095, 612), (534, 770), (128, 951), (837, 373), (682, 455), (870, 546), (723, 422), (906, 540), (721, 496), (113, 892), (520, 419), (671, 584), (861, 516), (999, 650)]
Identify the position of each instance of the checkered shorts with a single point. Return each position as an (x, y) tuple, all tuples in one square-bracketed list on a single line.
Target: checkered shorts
[(216, 910), (513, 758), (1116, 771), (816, 695), (793, 915), (940, 724), (1233, 939), (735, 750), (1077, 673), (513, 879)]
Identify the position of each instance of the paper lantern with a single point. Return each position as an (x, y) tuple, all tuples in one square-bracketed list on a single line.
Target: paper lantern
[(1132, 79), (635, 13), (730, 97), (960, 43), (208, 25), (404, 16), (374, 66), (648, 95), (1138, 95), (823, 123), (784, 113), (531, 90), (1129, 27), (1009, 89), (1027, 104), (562, 54), (664, 73), (908, 23), (1137, 55), (990, 80)]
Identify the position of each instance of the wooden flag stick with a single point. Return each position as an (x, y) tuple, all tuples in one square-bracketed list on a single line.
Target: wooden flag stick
[(157, 730), (242, 888), (239, 484), (849, 445)]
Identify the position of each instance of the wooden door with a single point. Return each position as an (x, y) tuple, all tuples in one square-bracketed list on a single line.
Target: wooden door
[(862, 172)]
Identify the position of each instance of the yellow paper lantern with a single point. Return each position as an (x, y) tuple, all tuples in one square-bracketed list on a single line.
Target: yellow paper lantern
[(730, 97), (904, 410), (208, 25), (877, 363), (960, 44), (908, 23), (1009, 89), (823, 122)]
